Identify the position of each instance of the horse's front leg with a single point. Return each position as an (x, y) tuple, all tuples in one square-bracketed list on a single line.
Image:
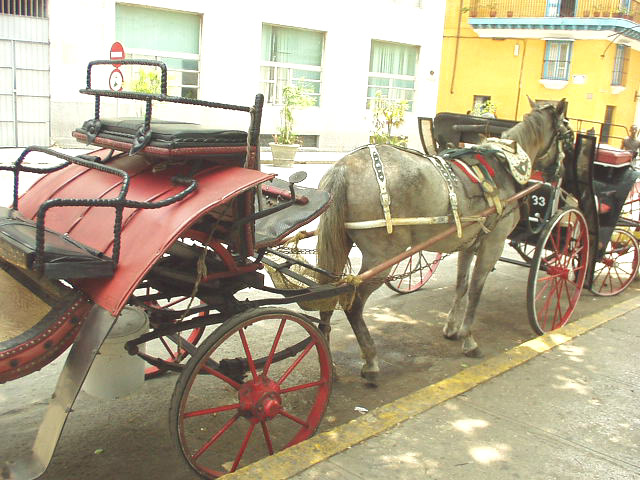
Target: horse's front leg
[(454, 320), (370, 368)]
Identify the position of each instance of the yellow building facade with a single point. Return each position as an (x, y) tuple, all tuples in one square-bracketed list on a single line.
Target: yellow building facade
[(505, 51)]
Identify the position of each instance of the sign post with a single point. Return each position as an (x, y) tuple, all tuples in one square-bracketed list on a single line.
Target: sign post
[(116, 78)]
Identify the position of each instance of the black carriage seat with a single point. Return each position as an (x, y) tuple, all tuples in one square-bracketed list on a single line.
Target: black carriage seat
[(170, 139), (63, 257), (456, 128), (272, 229)]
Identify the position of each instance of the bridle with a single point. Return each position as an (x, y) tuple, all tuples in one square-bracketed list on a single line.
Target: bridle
[(562, 138)]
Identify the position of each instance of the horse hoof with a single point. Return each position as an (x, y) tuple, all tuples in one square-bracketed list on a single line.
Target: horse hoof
[(450, 335), (474, 353), (370, 377)]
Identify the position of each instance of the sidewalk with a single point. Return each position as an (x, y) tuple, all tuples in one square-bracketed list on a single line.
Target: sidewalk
[(561, 406)]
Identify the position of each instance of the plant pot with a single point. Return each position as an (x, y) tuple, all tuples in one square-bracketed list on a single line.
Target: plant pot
[(596, 14), (283, 155), (509, 14), (586, 13), (493, 13), (616, 15)]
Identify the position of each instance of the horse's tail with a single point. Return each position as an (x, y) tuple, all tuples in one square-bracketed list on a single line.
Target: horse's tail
[(333, 242)]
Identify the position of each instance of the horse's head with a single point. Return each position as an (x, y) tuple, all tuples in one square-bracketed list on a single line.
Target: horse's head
[(555, 138), (545, 135)]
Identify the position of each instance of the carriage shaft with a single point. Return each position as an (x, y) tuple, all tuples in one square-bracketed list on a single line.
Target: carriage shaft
[(436, 238)]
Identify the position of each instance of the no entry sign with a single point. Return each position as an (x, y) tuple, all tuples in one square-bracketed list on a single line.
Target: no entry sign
[(116, 53)]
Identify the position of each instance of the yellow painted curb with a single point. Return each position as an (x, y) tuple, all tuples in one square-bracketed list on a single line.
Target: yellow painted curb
[(299, 457)]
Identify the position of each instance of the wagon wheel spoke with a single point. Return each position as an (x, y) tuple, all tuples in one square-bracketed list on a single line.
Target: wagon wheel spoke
[(276, 340), (295, 364), (267, 437), (243, 447), (216, 373), (247, 352), (299, 421), (215, 437)]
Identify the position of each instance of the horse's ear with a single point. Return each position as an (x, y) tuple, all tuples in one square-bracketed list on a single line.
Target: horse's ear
[(531, 102), (561, 108)]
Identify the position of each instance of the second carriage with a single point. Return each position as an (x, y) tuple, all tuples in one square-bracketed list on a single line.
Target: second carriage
[(596, 202)]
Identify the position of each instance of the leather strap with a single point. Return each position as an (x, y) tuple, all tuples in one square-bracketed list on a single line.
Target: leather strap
[(449, 176), (385, 198)]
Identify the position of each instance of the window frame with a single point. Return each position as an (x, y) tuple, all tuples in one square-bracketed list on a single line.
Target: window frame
[(153, 54), (272, 86), (143, 53), (620, 64), (395, 93), (551, 67)]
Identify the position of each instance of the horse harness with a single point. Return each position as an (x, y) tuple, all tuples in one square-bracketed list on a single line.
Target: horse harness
[(474, 166)]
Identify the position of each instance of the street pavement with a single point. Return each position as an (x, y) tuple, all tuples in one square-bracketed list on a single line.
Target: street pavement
[(561, 406)]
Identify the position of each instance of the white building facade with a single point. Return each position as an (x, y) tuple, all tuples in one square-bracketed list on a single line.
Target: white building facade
[(342, 51)]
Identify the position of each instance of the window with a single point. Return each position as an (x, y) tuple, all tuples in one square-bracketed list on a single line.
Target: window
[(479, 101), (392, 70), (557, 59), (26, 8), (620, 65), (561, 8), (165, 35), (290, 56)]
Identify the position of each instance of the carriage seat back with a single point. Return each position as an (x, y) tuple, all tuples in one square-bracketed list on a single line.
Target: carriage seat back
[(169, 139), (454, 129)]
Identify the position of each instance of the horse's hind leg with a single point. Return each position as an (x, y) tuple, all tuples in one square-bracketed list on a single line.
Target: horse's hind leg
[(325, 324), (487, 257), (370, 368), (325, 328), (458, 308)]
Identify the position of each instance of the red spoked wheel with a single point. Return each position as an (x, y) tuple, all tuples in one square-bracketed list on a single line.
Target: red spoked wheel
[(618, 266), (171, 350), (228, 410), (557, 271), (412, 273)]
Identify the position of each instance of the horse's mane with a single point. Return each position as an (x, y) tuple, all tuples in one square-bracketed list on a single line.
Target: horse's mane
[(530, 131)]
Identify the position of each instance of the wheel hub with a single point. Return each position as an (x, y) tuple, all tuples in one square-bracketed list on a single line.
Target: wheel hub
[(260, 399), (558, 271)]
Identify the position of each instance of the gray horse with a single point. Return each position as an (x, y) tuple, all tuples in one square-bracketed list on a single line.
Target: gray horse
[(418, 189)]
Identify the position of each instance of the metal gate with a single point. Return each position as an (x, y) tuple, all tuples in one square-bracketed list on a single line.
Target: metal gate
[(24, 81)]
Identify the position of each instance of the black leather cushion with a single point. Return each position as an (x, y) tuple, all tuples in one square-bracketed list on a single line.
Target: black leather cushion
[(168, 134), (272, 229), (63, 256)]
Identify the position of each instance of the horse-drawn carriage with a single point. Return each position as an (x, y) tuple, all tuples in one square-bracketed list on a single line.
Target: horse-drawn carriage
[(598, 180), (169, 222)]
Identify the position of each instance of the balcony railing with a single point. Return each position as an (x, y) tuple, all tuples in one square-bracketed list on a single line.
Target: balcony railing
[(556, 8)]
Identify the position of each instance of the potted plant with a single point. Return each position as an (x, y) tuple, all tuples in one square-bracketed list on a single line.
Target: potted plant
[(486, 109), (387, 114), (285, 144)]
